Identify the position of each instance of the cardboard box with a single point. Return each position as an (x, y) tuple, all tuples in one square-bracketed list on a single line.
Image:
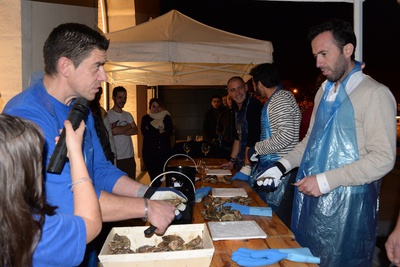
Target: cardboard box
[(197, 257)]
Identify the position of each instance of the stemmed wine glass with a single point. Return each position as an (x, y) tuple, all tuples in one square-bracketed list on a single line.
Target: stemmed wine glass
[(202, 169), (186, 148), (205, 148)]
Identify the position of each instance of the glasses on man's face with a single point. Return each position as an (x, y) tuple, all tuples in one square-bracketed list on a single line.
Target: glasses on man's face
[(236, 89)]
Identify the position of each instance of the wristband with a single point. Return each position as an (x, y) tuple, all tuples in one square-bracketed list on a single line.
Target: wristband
[(146, 209), (142, 190), (280, 167), (71, 186), (233, 160)]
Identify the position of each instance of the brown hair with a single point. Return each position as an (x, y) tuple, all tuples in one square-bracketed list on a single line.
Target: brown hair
[(23, 204), (158, 101)]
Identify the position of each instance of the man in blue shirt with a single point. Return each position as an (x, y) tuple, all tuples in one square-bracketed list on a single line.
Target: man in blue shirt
[(74, 57)]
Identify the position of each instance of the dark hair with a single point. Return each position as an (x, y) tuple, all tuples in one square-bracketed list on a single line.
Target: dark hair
[(216, 96), (158, 101), (22, 198), (235, 78), (267, 74), (74, 41), (118, 89), (341, 30)]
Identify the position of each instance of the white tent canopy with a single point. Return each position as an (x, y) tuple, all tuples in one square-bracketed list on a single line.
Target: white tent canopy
[(174, 49)]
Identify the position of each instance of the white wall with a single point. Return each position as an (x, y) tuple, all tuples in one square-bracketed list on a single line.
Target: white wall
[(10, 52), (24, 27)]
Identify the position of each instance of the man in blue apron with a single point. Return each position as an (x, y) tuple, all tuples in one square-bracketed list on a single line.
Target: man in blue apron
[(248, 127), (280, 124), (350, 145)]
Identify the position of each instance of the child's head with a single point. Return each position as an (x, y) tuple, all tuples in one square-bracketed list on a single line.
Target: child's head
[(23, 203), (21, 145)]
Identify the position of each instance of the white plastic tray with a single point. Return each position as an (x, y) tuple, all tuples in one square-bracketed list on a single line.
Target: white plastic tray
[(229, 192), (229, 230)]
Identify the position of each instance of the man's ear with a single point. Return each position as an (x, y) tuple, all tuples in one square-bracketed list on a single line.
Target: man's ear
[(64, 66), (348, 50)]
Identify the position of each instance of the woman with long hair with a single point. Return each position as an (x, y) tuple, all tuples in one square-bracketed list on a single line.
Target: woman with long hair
[(32, 232)]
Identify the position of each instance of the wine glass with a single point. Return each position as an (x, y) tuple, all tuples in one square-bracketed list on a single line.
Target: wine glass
[(205, 148), (186, 148), (202, 168)]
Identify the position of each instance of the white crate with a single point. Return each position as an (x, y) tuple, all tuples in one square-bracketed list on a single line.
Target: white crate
[(197, 257)]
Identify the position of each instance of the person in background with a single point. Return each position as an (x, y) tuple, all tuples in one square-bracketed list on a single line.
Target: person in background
[(210, 120), (392, 245), (123, 126), (350, 145), (103, 128), (248, 127), (226, 128), (224, 101), (157, 130), (74, 56), (280, 123), (33, 233)]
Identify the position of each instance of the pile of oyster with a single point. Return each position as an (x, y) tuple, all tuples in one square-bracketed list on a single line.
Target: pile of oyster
[(122, 245), (226, 179), (215, 211)]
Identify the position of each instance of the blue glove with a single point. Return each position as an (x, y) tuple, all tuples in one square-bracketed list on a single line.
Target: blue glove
[(246, 210), (202, 192), (244, 174), (253, 155), (167, 193), (249, 257)]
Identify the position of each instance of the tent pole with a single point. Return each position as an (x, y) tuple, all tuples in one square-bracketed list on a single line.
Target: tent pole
[(358, 28)]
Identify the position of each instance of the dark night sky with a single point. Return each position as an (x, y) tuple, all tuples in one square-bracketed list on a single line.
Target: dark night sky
[(286, 24)]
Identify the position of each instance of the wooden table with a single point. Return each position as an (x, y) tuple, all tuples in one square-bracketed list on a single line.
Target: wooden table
[(278, 234)]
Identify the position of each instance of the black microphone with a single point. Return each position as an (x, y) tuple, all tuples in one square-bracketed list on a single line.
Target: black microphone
[(59, 156)]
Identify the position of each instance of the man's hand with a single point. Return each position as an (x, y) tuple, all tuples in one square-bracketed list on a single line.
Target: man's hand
[(167, 193), (392, 246), (269, 178), (309, 186), (161, 214)]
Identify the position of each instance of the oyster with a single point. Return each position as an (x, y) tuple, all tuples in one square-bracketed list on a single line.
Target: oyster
[(213, 179), (120, 245), (146, 249), (196, 243)]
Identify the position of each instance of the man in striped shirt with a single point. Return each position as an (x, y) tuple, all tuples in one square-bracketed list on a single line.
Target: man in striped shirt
[(280, 124)]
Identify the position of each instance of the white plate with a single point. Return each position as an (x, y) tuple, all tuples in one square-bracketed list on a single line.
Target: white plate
[(229, 230), (229, 192)]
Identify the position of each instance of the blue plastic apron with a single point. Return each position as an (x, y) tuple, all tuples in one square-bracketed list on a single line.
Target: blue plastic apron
[(339, 227), (274, 198)]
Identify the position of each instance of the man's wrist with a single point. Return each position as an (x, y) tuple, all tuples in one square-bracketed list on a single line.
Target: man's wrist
[(142, 190), (146, 209), (280, 167)]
